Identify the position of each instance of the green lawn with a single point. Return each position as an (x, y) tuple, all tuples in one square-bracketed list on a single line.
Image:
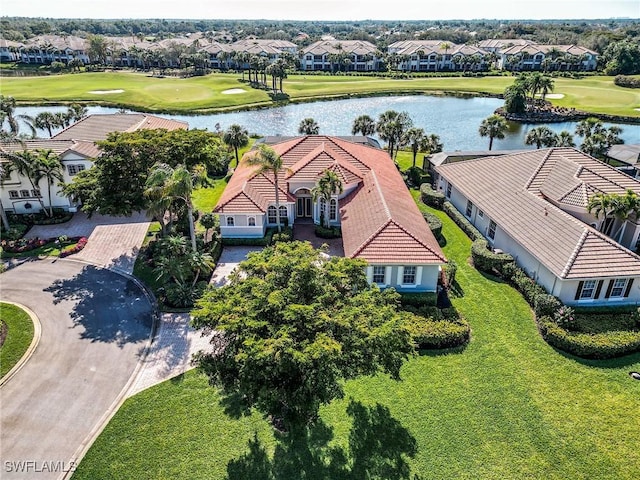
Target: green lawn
[(507, 406), (141, 91), (19, 336), (51, 249)]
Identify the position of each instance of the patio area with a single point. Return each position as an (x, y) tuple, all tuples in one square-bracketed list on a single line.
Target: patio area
[(305, 232)]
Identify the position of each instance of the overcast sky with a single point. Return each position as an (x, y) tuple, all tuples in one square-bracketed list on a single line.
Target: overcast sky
[(323, 9)]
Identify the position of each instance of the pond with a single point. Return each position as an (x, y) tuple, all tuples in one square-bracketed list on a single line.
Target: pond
[(454, 119)]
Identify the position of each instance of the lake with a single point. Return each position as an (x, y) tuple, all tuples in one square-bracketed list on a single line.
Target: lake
[(455, 120)]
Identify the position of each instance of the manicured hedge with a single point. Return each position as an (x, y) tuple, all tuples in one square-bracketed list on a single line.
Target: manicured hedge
[(417, 300), (487, 261), (331, 232), (250, 242), (435, 224), (465, 225), (285, 236), (628, 82), (431, 197), (589, 345), (428, 333)]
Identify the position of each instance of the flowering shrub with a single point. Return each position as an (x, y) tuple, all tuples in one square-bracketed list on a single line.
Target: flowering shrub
[(22, 244), (75, 248), (564, 316)]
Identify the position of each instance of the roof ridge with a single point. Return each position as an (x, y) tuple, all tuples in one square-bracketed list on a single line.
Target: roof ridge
[(384, 200), (535, 174), (574, 254)]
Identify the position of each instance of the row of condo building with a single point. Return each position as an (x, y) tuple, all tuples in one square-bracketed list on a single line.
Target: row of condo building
[(326, 55)]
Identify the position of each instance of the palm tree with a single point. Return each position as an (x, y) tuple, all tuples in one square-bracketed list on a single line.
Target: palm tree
[(586, 128), (600, 204), (308, 126), (540, 136), (236, 137), (48, 167), (564, 139), (365, 125), (493, 126), (46, 121), (76, 112), (415, 139), (3, 215), (26, 164), (268, 161), (546, 85), (177, 184), (623, 207), (391, 127), (7, 110), (432, 144), (328, 184), (199, 263)]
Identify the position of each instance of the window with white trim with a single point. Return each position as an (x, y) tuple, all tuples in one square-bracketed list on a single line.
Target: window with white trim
[(25, 194), (74, 169), (480, 213), (378, 274), (231, 222), (448, 192), (588, 289), (469, 208), (251, 221), (271, 214), (36, 193), (14, 194), (491, 233), (619, 287), (283, 213), (409, 275), (333, 209)]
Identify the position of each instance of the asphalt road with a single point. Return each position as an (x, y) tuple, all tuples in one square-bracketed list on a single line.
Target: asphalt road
[(95, 326)]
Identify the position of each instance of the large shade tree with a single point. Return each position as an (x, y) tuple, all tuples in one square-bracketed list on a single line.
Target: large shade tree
[(127, 158), (493, 127), (292, 326), (236, 137)]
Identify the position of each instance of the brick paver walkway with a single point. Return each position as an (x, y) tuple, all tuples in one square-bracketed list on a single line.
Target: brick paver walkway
[(171, 351), (306, 232), (229, 260)]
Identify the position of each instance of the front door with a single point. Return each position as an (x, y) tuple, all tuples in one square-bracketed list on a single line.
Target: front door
[(304, 207)]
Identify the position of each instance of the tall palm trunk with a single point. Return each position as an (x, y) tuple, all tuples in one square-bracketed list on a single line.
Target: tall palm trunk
[(275, 176), (5, 219), (192, 231)]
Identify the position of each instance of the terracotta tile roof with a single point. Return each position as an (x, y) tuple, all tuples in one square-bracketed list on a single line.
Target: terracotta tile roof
[(86, 149), (380, 221), (566, 246), (57, 146), (96, 127), (358, 47)]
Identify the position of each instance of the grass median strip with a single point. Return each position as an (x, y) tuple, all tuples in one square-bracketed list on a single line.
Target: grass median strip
[(19, 333)]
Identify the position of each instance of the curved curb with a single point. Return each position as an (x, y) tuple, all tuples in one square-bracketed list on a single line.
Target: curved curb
[(91, 437), (37, 333)]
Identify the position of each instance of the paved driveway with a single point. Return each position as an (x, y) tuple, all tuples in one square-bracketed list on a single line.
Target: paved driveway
[(113, 241), (95, 326)]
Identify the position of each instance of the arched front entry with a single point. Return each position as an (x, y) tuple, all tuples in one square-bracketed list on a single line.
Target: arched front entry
[(304, 203)]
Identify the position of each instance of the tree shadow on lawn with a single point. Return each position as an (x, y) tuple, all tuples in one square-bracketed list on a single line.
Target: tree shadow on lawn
[(111, 308), (378, 449)]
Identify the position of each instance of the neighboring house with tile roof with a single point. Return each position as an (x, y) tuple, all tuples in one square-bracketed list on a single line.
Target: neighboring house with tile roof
[(437, 55), (533, 205), (547, 57), (324, 55), (380, 222), (76, 148)]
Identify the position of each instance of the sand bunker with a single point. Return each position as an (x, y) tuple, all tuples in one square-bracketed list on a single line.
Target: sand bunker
[(105, 92), (555, 95), (234, 91)]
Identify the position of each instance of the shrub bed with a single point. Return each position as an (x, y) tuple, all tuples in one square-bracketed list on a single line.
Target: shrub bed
[(418, 300), (461, 221), (251, 242), (589, 345), (324, 232), (627, 82), (485, 260), (435, 224), (285, 236), (56, 219), (428, 333), (431, 197), (415, 177)]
